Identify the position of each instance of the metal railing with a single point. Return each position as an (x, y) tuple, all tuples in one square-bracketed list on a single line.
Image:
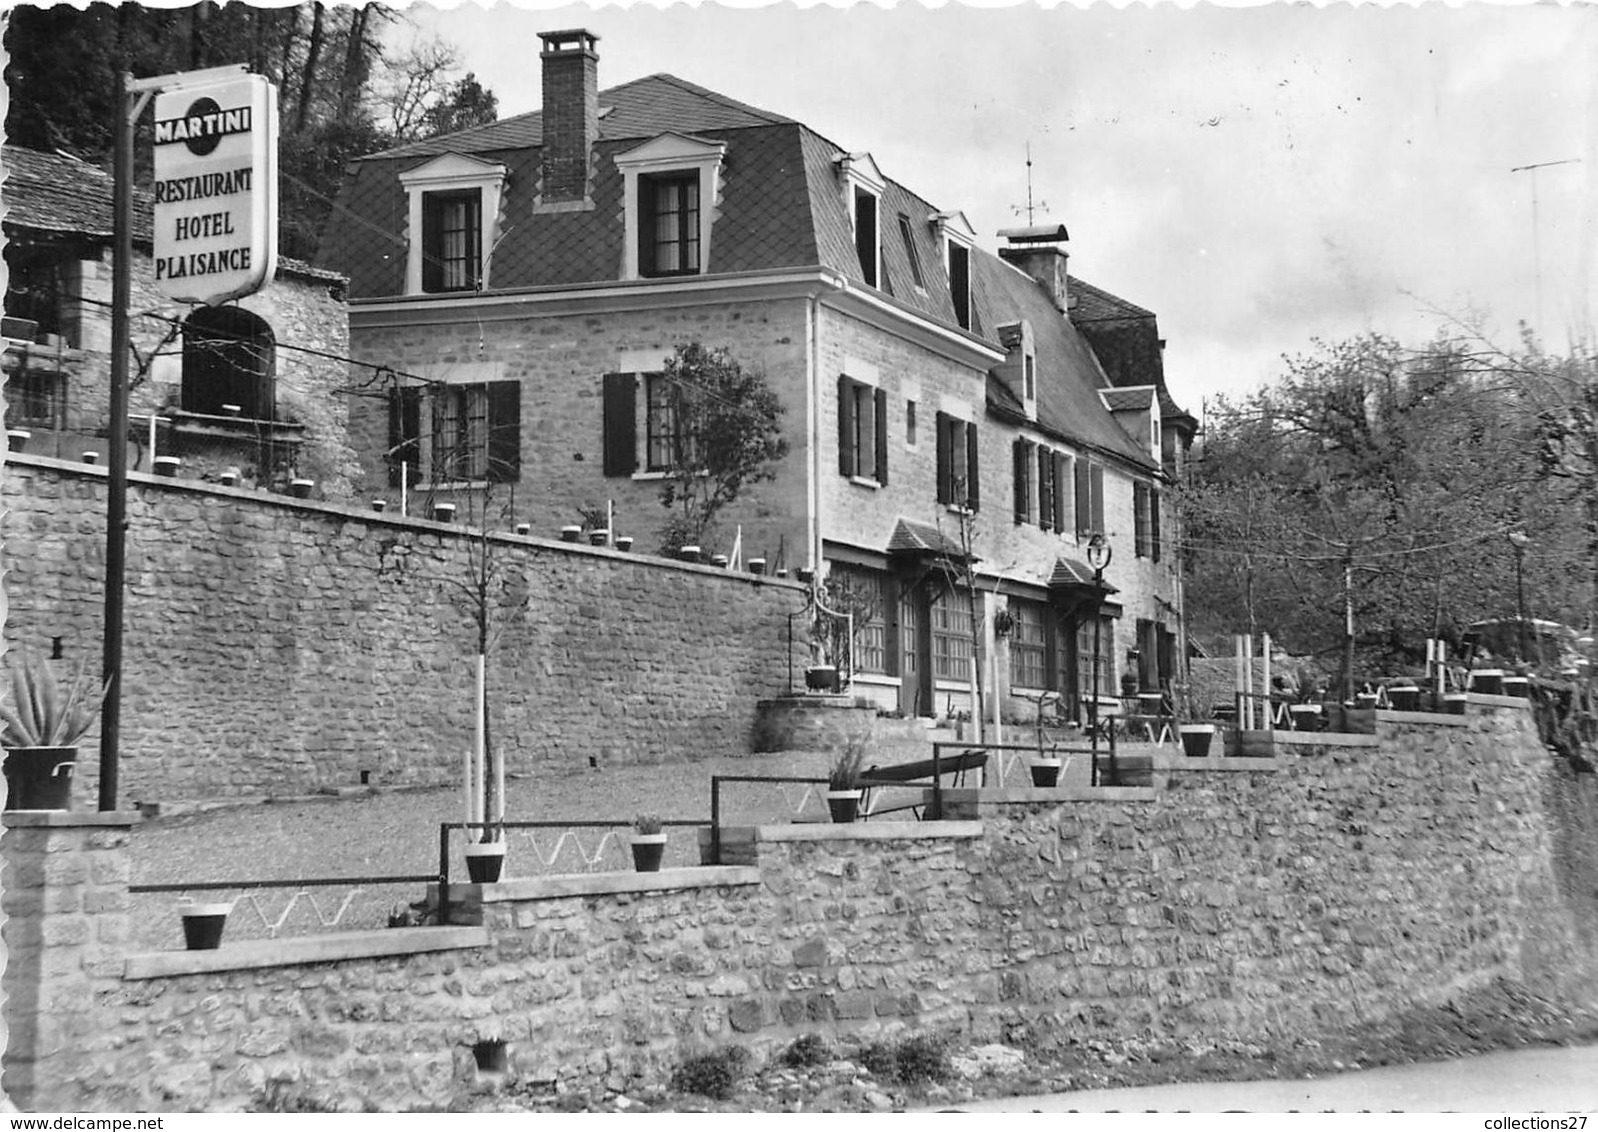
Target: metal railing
[(715, 800), (274, 921)]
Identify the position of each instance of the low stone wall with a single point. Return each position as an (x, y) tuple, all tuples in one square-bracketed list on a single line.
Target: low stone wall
[(1337, 882), (278, 646)]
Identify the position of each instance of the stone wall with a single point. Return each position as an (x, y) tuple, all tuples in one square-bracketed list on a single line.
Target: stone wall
[(1339, 882), (277, 647)]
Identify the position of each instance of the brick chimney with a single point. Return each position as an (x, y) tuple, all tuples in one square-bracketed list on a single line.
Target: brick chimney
[(571, 112), (1040, 252)]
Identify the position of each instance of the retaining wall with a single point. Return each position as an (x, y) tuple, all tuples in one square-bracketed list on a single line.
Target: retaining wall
[(278, 646), (1340, 881)]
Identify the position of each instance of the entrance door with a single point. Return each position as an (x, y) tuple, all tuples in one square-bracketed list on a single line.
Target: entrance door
[(915, 654)]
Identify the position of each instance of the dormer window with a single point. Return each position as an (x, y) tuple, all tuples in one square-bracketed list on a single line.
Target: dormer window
[(453, 214), (669, 191), (958, 239), (863, 186)]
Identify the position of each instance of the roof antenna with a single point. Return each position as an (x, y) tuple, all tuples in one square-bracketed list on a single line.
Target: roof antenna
[(1015, 208), (1536, 242)]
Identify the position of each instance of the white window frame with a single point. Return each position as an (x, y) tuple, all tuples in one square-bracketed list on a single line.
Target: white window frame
[(955, 230), (670, 153), (452, 173), (859, 171)]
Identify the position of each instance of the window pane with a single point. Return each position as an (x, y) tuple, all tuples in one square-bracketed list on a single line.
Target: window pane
[(951, 638), (862, 593), (1028, 645)]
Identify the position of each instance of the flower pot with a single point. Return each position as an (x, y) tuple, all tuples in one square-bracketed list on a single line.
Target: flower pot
[(1305, 717), (443, 512), (719, 561), (301, 489), (1454, 703), (844, 804), (821, 678), (1404, 697), (689, 553), (571, 534), (805, 574), (39, 778), (1489, 681), (203, 924), (91, 457), (757, 565), (624, 543), (524, 528), (648, 849), (230, 478), (1150, 703), (379, 505), (1365, 701), (599, 538), (1045, 772), (1518, 686), (484, 861), (1196, 739), (17, 439), (232, 410), (167, 465)]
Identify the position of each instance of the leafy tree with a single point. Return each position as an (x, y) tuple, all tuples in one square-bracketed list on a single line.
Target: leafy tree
[(1374, 485), (326, 61), (725, 434)]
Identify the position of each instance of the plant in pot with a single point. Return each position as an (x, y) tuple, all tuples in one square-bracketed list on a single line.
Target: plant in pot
[(41, 728), (203, 922), (648, 843), (1045, 769), (1196, 734), (843, 780)]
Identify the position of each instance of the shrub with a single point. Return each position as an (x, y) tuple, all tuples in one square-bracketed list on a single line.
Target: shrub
[(807, 1049), (714, 1074), (919, 1058)]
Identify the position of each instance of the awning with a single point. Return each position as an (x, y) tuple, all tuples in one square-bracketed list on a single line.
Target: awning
[(913, 540), (1071, 586)]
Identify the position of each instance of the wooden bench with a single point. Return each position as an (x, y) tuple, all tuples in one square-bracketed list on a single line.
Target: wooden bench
[(923, 772)]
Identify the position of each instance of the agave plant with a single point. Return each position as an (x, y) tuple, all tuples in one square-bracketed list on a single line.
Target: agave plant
[(40, 714)]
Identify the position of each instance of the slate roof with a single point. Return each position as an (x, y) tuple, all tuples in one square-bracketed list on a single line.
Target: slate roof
[(912, 537), (57, 195), (782, 205), (1128, 334), (1069, 572), (1093, 304), (1124, 400)]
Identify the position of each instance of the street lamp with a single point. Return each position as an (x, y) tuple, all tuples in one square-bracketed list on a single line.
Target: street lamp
[(1519, 541), (1099, 555)]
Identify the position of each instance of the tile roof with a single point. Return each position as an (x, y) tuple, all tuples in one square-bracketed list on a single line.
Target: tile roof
[(58, 194), (1127, 339), (912, 537), (1069, 572), (1092, 304), (1125, 400)]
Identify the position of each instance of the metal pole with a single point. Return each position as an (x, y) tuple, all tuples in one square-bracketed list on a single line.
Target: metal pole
[(116, 520), (1093, 704)]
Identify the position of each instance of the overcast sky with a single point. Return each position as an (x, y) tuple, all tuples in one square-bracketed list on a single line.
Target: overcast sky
[(1258, 177)]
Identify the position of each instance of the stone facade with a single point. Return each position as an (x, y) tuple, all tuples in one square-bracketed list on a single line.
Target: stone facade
[(278, 647), (1333, 885)]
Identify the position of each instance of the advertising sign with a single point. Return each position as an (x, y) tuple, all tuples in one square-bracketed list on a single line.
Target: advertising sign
[(215, 189)]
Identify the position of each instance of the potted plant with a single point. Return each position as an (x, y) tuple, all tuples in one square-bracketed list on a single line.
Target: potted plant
[(843, 780), (648, 843), (41, 729), (1403, 694), (485, 860), (203, 923), (1196, 735)]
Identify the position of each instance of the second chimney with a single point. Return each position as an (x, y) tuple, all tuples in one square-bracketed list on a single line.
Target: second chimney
[(571, 112), (1040, 252)]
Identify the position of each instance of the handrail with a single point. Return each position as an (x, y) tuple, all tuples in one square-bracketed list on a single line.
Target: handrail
[(715, 801)]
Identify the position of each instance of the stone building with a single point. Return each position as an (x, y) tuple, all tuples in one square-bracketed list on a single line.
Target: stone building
[(247, 385), (526, 280)]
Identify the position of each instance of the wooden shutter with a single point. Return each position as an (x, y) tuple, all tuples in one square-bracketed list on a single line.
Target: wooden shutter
[(1046, 488), (1154, 523), (621, 424), (945, 460), (1097, 489), (1023, 462), (973, 476), (1140, 519), (404, 431), (504, 431), (847, 463), (1061, 487), (882, 436), (1084, 499)]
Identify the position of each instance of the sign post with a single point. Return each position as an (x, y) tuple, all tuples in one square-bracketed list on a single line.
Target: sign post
[(215, 240)]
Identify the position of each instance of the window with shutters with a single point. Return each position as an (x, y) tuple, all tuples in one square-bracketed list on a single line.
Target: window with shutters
[(1045, 488), (467, 433), (862, 431), (1023, 480), (669, 442), (1031, 661), (1089, 498), (959, 477), (1140, 520)]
